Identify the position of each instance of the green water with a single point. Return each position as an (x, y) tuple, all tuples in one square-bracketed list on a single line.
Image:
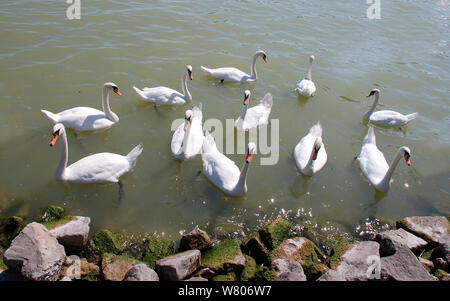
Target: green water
[(48, 61)]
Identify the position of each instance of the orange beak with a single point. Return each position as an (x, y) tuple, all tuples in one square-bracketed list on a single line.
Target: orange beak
[(245, 101), (265, 59), (316, 151), (407, 159), (187, 124), (54, 138), (248, 158), (190, 76), (117, 92)]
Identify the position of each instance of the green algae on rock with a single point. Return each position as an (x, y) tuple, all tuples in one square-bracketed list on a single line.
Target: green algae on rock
[(10, 227), (274, 233), (231, 276), (157, 248), (250, 269), (222, 256)]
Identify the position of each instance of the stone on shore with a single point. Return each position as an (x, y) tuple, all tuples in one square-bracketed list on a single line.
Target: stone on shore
[(73, 234), (9, 229), (75, 268), (225, 257), (141, 272), (441, 255), (156, 249), (288, 270), (389, 239), (35, 253), (427, 264), (274, 233), (195, 240), (178, 266), (115, 267), (197, 279), (430, 228), (253, 247), (355, 263)]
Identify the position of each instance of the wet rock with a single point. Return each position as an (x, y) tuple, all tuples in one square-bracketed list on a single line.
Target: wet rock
[(225, 257), (355, 263), (253, 247), (156, 249), (303, 251), (441, 255), (231, 276), (430, 228), (274, 233), (389, 239), (73, 234), (35, 253), (250, 269), (9, 228), (141, 272), (427, 264), (403, 266), (115, 267), (288, 270), (197, 279), (178, 266), (195, 240)]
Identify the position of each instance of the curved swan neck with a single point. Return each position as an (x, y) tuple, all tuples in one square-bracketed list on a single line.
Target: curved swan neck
[(254, 74), (394, 163), (186, 137), (105, 105), (186, 93), (244, 111), (61, 169), (308, 74), (241, 184), (374, 105)]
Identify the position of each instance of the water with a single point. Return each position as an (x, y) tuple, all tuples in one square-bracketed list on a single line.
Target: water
[(50, 62)]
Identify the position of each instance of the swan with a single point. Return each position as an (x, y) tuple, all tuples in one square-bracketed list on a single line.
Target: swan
[(255, 116), (223, 172), (306, 86), (88, 119), (310, 154), (386, 117), (373, 164), (231, 74), (97, 168), (167, 96), (187, 141)]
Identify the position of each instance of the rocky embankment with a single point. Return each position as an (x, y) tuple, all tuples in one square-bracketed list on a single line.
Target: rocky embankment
[(58, 247)]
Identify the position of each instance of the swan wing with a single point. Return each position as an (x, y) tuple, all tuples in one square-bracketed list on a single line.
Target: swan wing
[(163, 96), (229, 74), (177, 140), (84, 119), (302, 151), (387, 117), (305, 87), (220, 170), (321, 159), (372, 163)]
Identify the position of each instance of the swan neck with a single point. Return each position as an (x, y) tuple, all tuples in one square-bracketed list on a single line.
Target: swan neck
[(374, 105), (254, 74), (244, 111), (394, 163), (186, 137), (105, 105), (308, 74), (186, 93), (241, 184), (61, 169)]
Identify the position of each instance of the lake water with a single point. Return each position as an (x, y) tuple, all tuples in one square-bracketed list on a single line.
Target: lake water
[(50, 62)]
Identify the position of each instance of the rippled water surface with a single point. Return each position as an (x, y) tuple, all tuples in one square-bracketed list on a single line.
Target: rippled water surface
[(48, 61)]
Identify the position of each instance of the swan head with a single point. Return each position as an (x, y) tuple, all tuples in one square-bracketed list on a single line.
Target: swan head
[(189, 71), (262, 54), (112, 86), (188, 118), (373, 92), (251, 148), (317, 145), (246, 97), (312, 58), (58, 129), (406, 155)]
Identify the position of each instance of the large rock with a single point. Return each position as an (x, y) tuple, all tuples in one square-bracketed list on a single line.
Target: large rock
[(141, 272), (195, 240), (74, 234), (388, 239), (355, 263), (255, 248), (225, 257), (274, 233), (431, 228), (288, 270), (35, 253), (403, 266), (115, 267), (178, 266)]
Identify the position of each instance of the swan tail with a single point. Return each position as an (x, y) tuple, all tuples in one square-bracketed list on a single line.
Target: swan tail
[(316, 130), (198, 111), (53, 117), (370, 137), (134, 154), (140, 93), (412, 116), (267, 101), (208, 143)]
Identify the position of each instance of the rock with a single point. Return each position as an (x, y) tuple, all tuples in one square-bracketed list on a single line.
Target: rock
[(9, 228), (178, 266), (107, 241), (445, 278), (141, 272), (205, 273), (225, 257), (288, 270), (35, 253), (73, 234), (274, 233), (403, 266), (52, 213), (441, 255), (195, 240), (76, 268), (197, 279), (355, 263), (389, 239), (115, 267), (250, 269), (253, 247), (231, 276), (303, 251), (430, 228), (158, 248), (427, 264)]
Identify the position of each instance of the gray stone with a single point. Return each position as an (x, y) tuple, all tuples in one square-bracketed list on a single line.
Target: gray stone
[(178, 266), (197, 279), (35, 253), (431, 228), (141, 272), (195, 240), (355, 264), (403, 266), (388, 239), (288, 270), (74, 234), (427, 264)]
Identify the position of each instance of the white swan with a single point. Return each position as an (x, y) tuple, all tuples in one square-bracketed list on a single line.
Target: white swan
[(310, 154), (255, 116), (167, 96), (223, 172), (231, 74), (373, 164), (187, 141), (306, 86), (97, 168), (386, 117), (88, 119)]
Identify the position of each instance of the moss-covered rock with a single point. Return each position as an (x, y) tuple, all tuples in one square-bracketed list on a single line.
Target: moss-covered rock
[(52, 213), (231, 276), (158, 248), (250, 269), (264, 273), (274, 233), (440, 273), (337, 252), (54, 223), (108, 241), (253, 247), (115, 267), (10, 227), (224, 257)]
